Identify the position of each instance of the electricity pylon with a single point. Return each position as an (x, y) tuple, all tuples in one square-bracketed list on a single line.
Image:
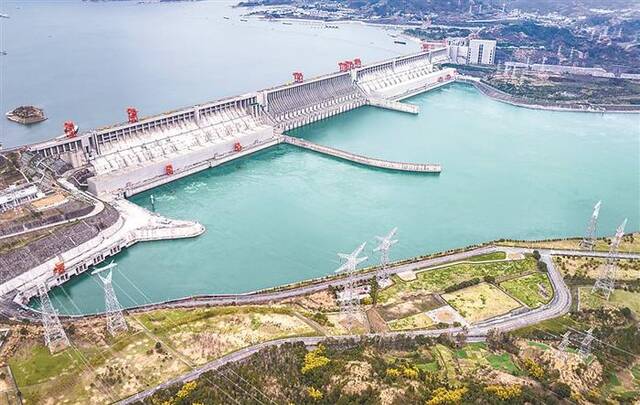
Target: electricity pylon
[(54, 336), (350, 300), (607, 279), (385, 244), (589, 240), (115, 319)]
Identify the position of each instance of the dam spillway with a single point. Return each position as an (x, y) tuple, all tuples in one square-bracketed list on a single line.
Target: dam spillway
[(125, 159)]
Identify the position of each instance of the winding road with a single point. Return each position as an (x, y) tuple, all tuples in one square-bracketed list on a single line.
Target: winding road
[(558, 306)]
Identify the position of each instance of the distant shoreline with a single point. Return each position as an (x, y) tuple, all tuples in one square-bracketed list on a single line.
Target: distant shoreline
[(501, 96)]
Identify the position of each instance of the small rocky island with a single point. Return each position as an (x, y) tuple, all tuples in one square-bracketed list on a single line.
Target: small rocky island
[(26, 114)]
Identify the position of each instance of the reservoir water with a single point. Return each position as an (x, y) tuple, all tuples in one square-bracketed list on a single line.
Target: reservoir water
[(88, 61), (283, 214)]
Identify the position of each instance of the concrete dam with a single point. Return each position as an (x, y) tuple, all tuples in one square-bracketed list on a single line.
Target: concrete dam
[(125, 159), (129, 158)]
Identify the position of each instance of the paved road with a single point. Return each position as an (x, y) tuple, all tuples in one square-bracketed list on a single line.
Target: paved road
[(558, 306)]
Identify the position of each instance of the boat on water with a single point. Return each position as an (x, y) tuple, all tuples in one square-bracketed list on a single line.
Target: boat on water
[(244, 20), (26, 115), (4, 15), (400, 42), (335, 27), (225, 17), (286, 23)]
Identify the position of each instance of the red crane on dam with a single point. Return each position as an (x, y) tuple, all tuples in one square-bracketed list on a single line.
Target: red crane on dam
[(132, 114), (298, 77), (347, 65), (70, 129)]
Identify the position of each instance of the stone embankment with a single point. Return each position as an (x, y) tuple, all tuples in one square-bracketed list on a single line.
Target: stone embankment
[(504, 97)]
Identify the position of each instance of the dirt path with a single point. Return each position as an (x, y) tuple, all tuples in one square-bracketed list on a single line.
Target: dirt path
[(376, 322)]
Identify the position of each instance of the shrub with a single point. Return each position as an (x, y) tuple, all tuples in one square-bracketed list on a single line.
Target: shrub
[(443, 396), (462, 284), (504, 392), (314, 359), (314, 393), (534, 369), (186, 389), (393, 372), (562, 389)]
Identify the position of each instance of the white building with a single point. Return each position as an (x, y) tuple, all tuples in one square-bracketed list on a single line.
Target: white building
[(481, 52), (14, 196), (472, 52)]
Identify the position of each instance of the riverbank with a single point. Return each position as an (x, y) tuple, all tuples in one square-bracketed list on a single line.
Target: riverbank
[(507, 98)]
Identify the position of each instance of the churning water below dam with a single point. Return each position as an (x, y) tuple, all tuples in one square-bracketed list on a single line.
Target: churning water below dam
[(282, 215)]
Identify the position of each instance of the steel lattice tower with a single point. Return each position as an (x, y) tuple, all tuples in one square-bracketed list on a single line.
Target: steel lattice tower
[(585, 346), (54, 336), (562, 347), (115, 319), (589, 240), (385, 244), (350, 300), (607, 279)]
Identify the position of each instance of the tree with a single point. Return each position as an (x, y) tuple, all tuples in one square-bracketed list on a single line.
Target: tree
[(375, 287), (489, 279), (626, 312), (562, 389), (542, 266), (536, 255)]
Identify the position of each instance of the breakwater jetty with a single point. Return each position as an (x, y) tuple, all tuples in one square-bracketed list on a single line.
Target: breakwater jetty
[(363, 160)]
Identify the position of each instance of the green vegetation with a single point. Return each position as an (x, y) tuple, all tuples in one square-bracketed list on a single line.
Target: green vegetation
[(533, 290), (503, 362), (619, 299), (160, 345), (399, 370), (417, 321), (488, 256), (439, 279), (480, 302)]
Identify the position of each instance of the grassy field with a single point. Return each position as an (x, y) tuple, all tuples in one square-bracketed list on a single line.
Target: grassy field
[(160, 345), (480, 302), (590, 267), (412, 303), (533, 290), (488, 256), (619, 299), (437, 280), (630, 243), (417, 321)]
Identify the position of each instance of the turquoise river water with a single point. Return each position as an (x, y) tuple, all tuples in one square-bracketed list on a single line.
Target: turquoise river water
[(282, 215)]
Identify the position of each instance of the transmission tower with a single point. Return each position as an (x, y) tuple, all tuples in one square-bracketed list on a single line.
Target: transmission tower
[(385, 244), (562, 347), (350, 300), (54, 336), (585, 346), (607, 278), (115, 319), (589, 239)]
